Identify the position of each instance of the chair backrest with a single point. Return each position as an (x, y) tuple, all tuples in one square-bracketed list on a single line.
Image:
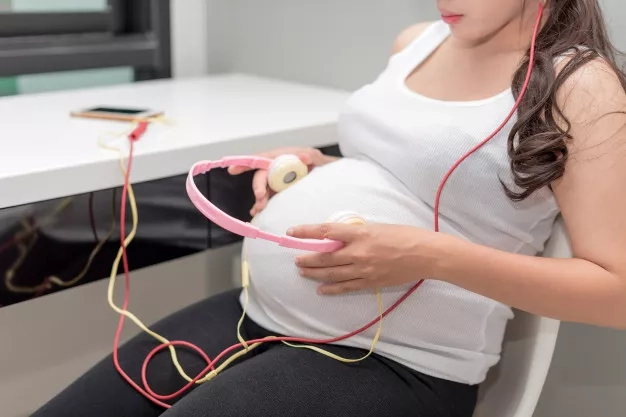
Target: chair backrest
[(513, 387)]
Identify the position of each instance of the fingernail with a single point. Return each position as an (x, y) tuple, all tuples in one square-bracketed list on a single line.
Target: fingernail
[(321, 291), (298, 261), (290, 231)]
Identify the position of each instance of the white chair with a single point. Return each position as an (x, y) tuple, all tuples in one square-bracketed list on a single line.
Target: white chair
[(513, 387)]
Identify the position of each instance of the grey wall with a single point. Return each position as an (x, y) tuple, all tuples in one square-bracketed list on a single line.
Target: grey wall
[(338, 43), (344, 44), (615, 12), (588, 374), (221, 31), (190, 37)]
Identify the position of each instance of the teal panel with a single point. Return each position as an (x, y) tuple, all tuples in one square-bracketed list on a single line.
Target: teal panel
[(8, 86), (68, 80), (58, 5)]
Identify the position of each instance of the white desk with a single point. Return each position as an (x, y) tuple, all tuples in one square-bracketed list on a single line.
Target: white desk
[(47, 154)]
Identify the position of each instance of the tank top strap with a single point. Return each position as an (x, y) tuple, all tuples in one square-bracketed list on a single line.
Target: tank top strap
[(568, 54), (420, 48)]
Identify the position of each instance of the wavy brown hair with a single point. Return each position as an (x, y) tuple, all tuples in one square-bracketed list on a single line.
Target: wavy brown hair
[(537, 143)]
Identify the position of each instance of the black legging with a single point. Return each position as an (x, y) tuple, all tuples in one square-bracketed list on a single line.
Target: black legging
[(272, 380)]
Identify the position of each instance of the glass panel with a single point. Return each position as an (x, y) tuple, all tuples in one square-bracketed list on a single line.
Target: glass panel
[(55, 6), (53, 245)]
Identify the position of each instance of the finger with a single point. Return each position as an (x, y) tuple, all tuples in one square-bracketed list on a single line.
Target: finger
[(314, 157), (332, 274), (323, 260), (333, 231), (257, 208), (306, 158), (259, 184), (310, 157), (343, 287), (237, 169)]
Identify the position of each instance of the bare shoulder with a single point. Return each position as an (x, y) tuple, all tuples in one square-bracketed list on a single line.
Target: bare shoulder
[(592, 83), (593, 102), (593, 95), (408, 35)]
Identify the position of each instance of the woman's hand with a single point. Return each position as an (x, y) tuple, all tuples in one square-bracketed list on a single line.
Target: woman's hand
[(373, 256), (310, 156)]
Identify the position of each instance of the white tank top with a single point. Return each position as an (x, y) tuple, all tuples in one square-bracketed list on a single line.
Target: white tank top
[(397, 146)]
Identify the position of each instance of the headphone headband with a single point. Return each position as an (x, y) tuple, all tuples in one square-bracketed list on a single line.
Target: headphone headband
[(217, 216)]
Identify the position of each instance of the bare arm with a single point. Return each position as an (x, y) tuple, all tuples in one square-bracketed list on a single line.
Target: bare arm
[(590, 288)]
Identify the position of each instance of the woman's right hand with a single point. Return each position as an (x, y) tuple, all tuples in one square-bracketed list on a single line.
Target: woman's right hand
[(310, 156)]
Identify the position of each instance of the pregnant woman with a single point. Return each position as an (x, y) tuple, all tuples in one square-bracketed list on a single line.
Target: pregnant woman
[(447, 86)]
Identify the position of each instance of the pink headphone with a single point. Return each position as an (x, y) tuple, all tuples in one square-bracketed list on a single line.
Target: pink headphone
[(283, 171)]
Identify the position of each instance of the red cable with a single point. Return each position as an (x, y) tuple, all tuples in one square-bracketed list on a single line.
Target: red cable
[(135, 135), (139, 131), (211, 364), (120, 323), (506, 120), (156, 398)]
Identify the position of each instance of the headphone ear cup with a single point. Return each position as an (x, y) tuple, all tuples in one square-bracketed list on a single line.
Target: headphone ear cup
[(284, 171), (346, 217)]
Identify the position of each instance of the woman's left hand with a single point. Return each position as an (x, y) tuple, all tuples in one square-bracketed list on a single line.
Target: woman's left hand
[(374, 256)]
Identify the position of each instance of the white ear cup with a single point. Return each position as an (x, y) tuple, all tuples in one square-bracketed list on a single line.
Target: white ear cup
[(346, 217), (284, 171)]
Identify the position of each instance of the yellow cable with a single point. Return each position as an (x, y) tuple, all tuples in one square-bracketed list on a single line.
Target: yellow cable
[(116, 262), (10, 273), (162, 119), (245, 280), (340, 358), (131, 316), (24, 250), (61, 283), (244, 284)]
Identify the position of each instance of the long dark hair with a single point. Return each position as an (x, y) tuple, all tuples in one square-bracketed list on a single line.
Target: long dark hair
[(537, 142)]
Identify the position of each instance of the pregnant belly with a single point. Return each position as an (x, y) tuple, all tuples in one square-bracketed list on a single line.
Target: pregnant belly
[(287, 299)]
